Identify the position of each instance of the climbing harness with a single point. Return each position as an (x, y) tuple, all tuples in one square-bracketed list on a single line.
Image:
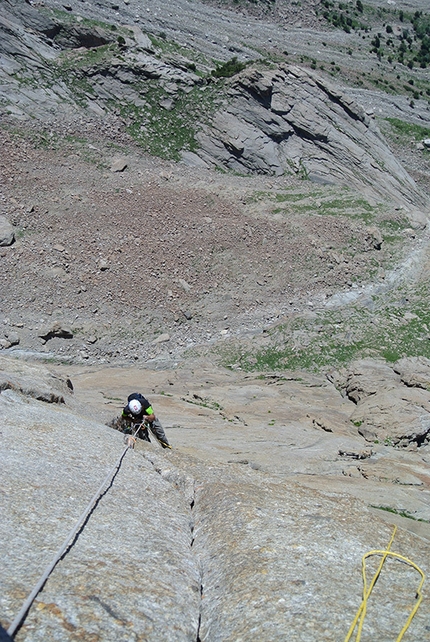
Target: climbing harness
[(361, 613), (104, 487)]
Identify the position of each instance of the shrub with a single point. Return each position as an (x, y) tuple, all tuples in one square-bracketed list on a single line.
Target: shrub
[(229, 68)]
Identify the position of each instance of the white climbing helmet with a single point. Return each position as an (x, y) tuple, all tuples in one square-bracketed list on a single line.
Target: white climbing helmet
[(135, 406)]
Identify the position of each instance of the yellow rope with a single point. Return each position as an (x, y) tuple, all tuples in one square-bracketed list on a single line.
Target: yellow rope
[(361, 613)]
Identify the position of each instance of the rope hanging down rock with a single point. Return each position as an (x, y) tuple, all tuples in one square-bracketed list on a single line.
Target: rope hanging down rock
[(361, 613), (104, 487)]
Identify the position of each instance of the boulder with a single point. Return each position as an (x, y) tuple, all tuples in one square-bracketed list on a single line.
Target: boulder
[(56, 330), (186, 286), (392, 404), (162, 338), (364, 378), (142, 40), (11, 339), (33, 381), (374, 238), (118, 165), (414, 372), (7, 232), (391, 417)]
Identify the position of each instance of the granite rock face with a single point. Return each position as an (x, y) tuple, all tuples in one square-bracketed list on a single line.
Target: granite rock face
[(392, 404), (292, 120), (287, 120), (179, 549), (141, 541), (31, 381)]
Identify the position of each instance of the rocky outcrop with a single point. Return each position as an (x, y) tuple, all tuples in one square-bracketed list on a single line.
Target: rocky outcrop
[(32, 381), (392, 404), (290, 120), (56, 330), (414, 372), (177, 549), (285, 120)]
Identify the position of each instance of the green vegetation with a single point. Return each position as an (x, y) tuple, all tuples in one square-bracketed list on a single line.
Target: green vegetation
[(229, 68), (162, 124), (333, 338), (203, 402), (85, 58), (166, 47), (391, 35), (344, 16), (165, 132), (410, 130), (69, 18), (402, 513), (409, 45), (322, 202)]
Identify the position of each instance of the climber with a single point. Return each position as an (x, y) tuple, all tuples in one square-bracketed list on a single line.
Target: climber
[(139, 410)]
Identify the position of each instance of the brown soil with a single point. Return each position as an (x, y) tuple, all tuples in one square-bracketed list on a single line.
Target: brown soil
[(158, 248)]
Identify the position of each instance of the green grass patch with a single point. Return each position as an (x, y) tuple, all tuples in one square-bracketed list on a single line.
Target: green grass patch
[(410, 130), (172, 48), (342, 204), (166, 132), (334, 338), (402, 513), (292, 198), (69, 18), (86, 58), (163, 131)]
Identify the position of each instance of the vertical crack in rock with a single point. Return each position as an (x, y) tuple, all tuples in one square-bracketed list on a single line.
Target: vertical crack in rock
[(192, 505), (186, 485)]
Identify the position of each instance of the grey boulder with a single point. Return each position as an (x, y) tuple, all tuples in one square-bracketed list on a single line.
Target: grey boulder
[(7, 232)]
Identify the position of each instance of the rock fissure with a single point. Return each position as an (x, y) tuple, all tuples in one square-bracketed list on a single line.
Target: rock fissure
[(185, 485), (340, 101), (199, 623), (108, 609), (47, 397)]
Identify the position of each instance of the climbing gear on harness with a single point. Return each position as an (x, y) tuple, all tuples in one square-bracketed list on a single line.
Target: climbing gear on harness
[(361, 613), (131, 441)]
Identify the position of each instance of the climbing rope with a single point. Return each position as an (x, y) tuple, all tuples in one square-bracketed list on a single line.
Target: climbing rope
[(104, 487), (361, 613)]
